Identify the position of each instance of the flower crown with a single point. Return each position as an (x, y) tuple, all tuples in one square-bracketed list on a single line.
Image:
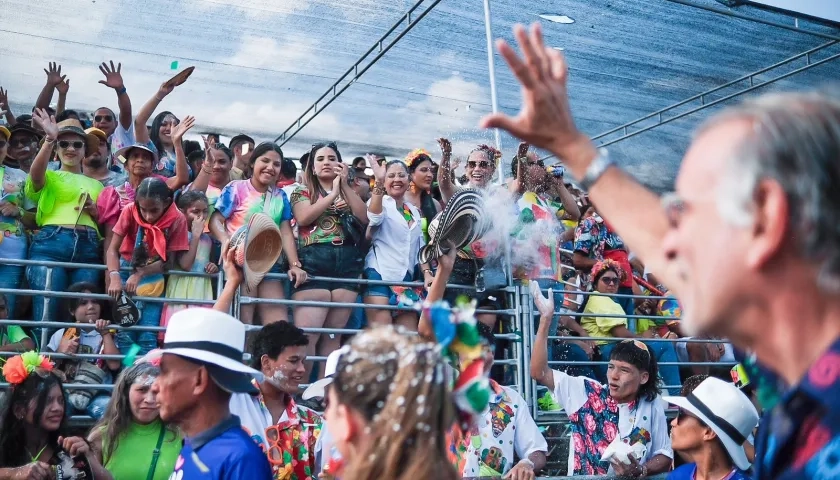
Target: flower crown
[(492, 153), (416, 154), (18, 368), (608, 264)]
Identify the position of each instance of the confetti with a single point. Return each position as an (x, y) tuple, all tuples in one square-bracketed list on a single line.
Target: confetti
[(174, 65)]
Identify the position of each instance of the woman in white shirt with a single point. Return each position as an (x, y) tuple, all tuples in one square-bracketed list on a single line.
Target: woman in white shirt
[(395, 233)]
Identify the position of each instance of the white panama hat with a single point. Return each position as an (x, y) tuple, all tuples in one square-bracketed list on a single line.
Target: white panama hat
[(724, 409)]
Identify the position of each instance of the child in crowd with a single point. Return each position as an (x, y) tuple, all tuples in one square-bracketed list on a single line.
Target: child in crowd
[(628, 408), (149, 236), (195, 207), (75, 341)]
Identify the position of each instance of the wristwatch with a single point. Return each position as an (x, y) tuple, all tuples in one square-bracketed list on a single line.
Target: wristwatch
[(600, 164)]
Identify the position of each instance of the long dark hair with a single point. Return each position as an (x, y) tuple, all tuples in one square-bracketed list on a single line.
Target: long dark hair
[(36, 387), (150, 188), (309, 177), (118, 417), (261, 150), (644, 360), (427, 202), (154, 135), (72, 303)]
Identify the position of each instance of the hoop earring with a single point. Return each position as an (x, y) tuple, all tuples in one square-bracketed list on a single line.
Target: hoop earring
[(412, 187)]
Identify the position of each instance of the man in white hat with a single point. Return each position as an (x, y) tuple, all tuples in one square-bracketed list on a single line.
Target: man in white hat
[(200, 368), (714, 422), (749, 242)]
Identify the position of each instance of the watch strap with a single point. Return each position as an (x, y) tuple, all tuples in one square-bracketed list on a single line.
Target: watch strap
[(600, 164)]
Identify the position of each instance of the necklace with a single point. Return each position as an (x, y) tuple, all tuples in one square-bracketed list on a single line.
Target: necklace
[(36, 457), (406, 213)]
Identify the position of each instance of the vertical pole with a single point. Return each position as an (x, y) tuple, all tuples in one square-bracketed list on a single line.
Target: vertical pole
[(47, 288), (491, 70)]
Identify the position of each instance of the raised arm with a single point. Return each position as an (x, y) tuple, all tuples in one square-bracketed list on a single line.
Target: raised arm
[(62, 88), (545, 120), (141, 133), (113, 79), (38, 171), (182, 174), (54, 77), (436, 291), (445, 176), (540, 371), (233, 278), (5, 108)]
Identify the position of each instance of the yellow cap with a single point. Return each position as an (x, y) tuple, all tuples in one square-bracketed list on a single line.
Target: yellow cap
[(99, 133), (5, 132)]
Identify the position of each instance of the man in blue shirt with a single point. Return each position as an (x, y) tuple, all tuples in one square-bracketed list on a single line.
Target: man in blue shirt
[(200, 367), (749, 241)]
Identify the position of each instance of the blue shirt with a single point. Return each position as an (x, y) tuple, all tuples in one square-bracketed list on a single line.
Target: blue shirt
[(686, 472), (800, 437), (225, 452)]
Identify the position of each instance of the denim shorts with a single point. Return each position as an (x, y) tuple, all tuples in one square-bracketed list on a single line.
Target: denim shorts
[(382, 290), (328, 260)]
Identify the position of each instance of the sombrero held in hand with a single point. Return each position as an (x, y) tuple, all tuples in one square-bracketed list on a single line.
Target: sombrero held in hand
[(461, 223), (257, 247)]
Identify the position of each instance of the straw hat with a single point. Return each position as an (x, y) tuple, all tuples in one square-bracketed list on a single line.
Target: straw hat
[(461, 223), (71, 125), (122, 154), (257, 246)]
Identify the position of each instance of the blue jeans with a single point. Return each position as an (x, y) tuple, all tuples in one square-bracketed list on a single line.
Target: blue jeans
[(11, 275), (664, 352), (358, 319), (61, 244), (149, 317)]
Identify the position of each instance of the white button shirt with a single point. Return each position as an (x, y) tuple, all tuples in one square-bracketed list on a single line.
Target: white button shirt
[(395, 246)]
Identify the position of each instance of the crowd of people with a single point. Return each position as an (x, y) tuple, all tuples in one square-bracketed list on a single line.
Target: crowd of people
[(147, 204)]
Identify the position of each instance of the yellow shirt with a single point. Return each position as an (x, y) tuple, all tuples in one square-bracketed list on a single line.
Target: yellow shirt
[(597, 326), (63, 192)]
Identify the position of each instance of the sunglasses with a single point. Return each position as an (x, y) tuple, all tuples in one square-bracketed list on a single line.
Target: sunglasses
[(318, 146), (610, 280), (483, 164), (682, 414), (103, 118), (64, 144), (21, 142)]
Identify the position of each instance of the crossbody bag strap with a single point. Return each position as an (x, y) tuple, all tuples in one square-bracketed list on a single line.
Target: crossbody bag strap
[(156, 453)]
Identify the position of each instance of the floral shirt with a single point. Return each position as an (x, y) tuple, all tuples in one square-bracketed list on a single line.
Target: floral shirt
[(595, 239), (505, 429), (596, 420), (327, 228), (800, 437), (289, 443)]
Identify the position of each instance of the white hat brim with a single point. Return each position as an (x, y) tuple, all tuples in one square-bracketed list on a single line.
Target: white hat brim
[(735, 451), (317, 389), (215, 359)]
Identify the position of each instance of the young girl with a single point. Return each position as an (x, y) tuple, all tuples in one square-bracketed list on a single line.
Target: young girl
[(194, 205), (627, 407), (73, 341), (149, 237)]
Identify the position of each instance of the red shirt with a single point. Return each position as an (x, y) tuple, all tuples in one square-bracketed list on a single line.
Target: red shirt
[(177, 239)]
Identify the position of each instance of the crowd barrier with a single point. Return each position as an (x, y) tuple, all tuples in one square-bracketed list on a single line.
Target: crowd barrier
[(520, 320)]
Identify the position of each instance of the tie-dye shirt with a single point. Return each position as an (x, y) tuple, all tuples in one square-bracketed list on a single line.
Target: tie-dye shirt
[(239, 200)]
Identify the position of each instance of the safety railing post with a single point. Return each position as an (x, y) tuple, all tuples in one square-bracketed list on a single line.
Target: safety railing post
[(45, 312), (518, 347), (526, 320)]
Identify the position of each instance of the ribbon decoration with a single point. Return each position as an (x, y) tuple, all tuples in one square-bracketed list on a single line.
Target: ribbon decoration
[(457, 335)]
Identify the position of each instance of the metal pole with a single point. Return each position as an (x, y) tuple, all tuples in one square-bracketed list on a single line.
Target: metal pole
[(491, 70)]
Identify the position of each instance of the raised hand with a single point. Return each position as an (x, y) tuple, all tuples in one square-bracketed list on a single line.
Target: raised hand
[(545, 305), (4, 98), (64, 86), (46, 122), (378, 170), (445, 147), (113, 76), (54, 76), (232, 272), (545, 118), (182, 128)]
